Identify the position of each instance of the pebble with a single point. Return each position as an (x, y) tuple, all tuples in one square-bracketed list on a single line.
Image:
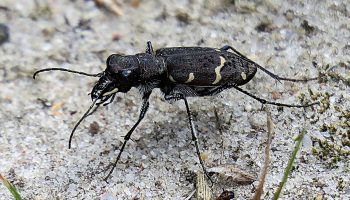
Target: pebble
[(4, 33)]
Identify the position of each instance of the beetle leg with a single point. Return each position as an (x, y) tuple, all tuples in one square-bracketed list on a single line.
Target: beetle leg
[(227, 47), (263, 101), (274, 76), (178, 96), (278, 78), (144, 108), (149, 49), (214, 91)]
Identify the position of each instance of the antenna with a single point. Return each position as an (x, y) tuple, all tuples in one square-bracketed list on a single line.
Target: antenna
[(67, 70)]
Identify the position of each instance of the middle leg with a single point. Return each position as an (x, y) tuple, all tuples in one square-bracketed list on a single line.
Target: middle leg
[(178, 96)]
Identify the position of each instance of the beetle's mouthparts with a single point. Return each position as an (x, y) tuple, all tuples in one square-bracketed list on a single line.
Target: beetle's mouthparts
[(115, 90)]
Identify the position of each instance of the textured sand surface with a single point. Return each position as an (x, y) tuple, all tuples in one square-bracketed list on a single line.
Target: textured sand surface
[(36, 116)]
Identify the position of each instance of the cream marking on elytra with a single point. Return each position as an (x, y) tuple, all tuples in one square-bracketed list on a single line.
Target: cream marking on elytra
[(171, 79), (115, 90), (218, 69), (244, 76), (190, 78)]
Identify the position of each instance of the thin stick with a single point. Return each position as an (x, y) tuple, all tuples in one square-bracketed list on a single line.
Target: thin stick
[(260, 188)]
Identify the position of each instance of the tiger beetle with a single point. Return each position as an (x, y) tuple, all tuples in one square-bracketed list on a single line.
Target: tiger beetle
[(179, 72)]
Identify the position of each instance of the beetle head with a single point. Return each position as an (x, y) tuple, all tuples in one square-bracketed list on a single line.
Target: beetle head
[(121, 74)]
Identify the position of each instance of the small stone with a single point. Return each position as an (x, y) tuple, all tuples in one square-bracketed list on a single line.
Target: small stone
[(116, 36), (94, 128), (248, 107), (4, 33), (275, 95)]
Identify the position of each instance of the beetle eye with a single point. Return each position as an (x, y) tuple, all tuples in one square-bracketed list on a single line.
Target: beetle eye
[(126, 73)]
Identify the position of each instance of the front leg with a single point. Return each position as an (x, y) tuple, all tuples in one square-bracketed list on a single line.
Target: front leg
[(144, 108), (178, 96)]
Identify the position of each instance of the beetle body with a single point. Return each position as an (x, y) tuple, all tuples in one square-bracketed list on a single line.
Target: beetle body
[(191, 71), (179, 72), (205, 67)]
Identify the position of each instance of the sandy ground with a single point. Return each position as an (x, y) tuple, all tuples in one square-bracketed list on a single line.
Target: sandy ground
[(37, 115)]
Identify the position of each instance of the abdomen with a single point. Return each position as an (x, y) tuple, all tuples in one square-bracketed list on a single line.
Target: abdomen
[(206, 66)]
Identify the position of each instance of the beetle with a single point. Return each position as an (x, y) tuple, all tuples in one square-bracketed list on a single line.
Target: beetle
[(179, 72)]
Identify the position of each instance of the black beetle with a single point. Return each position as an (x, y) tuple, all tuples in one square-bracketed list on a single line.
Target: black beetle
[(179, 72)]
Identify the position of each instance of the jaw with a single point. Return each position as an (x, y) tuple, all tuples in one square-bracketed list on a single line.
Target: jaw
[(102, 86), (113, 91)]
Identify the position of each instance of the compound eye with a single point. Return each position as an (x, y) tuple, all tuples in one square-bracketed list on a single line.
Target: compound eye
[(126, 73)]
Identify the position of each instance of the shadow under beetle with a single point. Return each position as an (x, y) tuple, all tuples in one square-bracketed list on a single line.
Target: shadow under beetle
[(179, 72)]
